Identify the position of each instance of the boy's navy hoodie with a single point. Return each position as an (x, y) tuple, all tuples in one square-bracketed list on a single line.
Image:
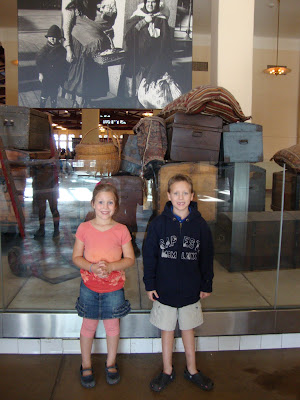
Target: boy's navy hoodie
[(178, 257)]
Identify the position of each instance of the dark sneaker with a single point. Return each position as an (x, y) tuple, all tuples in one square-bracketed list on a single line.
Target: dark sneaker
[(40, 233), (55, 233), (161, 381), (202, 381), (87, 381), (112, 377)]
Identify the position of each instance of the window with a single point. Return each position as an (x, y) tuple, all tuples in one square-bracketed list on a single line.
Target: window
[(70, 143), (63, 141)]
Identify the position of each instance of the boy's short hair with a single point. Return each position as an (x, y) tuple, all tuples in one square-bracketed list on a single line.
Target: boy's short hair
[(180, 178)]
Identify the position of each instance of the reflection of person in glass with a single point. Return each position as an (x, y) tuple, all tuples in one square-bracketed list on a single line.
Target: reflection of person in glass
[(148, 46), (87, 26), (45, 187)]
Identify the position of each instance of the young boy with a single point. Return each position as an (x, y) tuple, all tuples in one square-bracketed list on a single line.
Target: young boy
[(178, 272), (52, 66)]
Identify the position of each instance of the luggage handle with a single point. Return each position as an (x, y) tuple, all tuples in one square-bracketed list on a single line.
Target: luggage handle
[(197, 133), (109, 131), (243, 141), (8, 123)]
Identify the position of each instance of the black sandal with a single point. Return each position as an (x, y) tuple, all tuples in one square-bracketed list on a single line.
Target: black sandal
[(87, 381), (199, 379), (161, 381), (112, 377)]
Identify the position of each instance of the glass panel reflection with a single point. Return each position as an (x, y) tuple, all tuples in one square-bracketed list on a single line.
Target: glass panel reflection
[(38, 274)]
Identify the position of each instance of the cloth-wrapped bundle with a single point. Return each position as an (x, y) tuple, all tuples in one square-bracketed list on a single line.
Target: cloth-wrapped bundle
[(209, 100)]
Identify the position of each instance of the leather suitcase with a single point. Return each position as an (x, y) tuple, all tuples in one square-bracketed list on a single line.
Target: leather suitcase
[(195, 137), (204, 177), (260, 242), (7, 213), (296, 215), (242, 142), (291, 191), (257, 188), (24, 128)]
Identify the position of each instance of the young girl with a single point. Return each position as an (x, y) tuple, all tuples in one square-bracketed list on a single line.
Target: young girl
[(98, 249)]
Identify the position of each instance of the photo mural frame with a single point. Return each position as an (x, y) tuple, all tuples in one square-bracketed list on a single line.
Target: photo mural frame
[(107, 53)]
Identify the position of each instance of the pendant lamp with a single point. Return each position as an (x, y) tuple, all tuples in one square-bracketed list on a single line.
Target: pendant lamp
[(277, 69)]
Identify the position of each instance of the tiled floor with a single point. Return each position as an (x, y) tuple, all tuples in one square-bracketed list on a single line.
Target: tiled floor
[(238, 375)]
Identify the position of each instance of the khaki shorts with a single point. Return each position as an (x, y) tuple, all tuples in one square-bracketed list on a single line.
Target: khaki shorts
[(165, 317)]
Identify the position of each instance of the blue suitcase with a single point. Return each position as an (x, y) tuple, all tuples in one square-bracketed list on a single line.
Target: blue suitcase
[(242, 142)]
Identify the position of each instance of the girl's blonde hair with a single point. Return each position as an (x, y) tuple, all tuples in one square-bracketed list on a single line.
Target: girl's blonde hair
[(106, 187)]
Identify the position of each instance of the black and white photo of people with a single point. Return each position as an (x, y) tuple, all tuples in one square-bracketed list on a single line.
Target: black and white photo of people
[(104, 53)]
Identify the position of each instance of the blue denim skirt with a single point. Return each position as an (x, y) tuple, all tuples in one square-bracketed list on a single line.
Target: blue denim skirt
[(93, 305)]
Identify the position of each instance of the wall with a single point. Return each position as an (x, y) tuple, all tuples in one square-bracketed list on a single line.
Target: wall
[(276, 98)]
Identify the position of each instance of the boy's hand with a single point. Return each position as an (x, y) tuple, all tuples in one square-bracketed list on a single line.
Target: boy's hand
[(204, 294), (152, 293)]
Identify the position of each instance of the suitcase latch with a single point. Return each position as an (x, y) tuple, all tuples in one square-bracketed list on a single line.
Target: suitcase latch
[(243, 141), (8, 123), (197, 134)]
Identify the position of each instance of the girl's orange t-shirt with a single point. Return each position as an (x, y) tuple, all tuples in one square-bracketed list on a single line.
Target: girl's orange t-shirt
[(103, 246)]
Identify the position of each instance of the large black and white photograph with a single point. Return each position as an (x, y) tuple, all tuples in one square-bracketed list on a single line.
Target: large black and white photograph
[(104, 53)]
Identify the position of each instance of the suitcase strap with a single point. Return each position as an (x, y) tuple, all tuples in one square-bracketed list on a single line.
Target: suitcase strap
[(125, 157)]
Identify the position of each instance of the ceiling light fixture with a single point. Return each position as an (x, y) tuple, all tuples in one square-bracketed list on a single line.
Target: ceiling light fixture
[(147, 114), (277, 69)]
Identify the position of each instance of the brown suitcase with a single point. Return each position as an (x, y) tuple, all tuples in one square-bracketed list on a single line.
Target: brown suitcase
[(296, 215), (7, 213), (260, 242), (257, 187), (195, 137), (204, 177), (291, 191)]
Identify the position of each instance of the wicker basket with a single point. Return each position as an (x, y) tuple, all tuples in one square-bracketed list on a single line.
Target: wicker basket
[(102, 158), (112, 56)]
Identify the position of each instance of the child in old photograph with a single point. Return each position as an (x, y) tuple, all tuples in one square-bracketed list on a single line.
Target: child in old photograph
[(178, 272), (52, 66)]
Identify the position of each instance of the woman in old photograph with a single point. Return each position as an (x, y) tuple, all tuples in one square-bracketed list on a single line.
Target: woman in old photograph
[(148, 42), (87, 27)]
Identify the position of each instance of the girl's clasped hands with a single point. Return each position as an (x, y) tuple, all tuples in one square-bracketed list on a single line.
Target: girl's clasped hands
[(102, 269)]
